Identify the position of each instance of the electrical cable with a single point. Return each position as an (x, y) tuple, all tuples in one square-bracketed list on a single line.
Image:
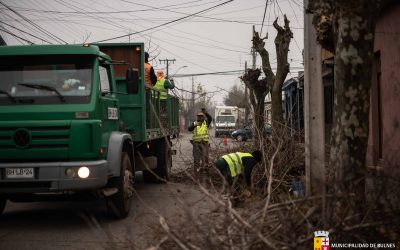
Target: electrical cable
[(14, 35), (295, 41), (43, 40), (22, 24), (34, 24), (265, 11), (173, 21)]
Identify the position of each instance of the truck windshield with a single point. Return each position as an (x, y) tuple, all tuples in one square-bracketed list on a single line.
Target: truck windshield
[(46, 79), (228, 118)]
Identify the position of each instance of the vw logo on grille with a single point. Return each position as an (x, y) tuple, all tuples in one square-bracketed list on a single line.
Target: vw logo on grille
[(21, 138)]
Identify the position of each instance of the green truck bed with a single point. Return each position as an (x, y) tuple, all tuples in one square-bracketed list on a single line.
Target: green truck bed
[(141, 112)]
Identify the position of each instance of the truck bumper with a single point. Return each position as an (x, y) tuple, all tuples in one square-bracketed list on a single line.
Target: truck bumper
[(50, 177)]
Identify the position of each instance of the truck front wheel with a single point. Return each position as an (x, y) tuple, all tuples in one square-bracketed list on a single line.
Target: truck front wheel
[(119, 204), (2, 205)]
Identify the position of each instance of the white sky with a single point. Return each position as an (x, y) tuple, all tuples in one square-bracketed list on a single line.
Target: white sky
[(213, 41)]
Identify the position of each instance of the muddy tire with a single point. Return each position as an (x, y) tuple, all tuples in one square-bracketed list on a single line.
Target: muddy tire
[(3, 203), (240, 138), (164, 163), (119, 204)]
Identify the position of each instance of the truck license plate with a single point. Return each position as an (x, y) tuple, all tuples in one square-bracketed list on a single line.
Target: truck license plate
[(19, 173)]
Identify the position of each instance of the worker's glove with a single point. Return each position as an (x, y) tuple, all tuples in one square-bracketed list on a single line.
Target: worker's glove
[(246, 193)]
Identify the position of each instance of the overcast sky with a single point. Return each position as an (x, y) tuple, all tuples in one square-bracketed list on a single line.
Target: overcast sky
[(215, 40)]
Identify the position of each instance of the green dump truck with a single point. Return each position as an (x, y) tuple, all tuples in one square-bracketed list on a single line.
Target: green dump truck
[(78, 119)]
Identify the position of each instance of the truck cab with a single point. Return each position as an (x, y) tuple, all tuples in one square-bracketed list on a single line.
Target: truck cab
[(226, 118), (71, 123)]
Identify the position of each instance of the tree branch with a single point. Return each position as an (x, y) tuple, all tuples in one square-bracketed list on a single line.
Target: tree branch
[(258, 44)]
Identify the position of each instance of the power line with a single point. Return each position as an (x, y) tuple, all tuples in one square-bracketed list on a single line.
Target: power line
[(23, 24), (68, 30), (103, 12), (14, 35), (196, 15), (265, 11), (230, 72), (34, 24), (295, 41), (4, 23), (173, 21)]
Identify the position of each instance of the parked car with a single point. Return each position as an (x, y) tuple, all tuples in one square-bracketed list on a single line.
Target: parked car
[(246, 133)]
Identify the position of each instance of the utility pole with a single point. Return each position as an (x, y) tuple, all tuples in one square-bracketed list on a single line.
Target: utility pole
[(246, 108), (192, 94), (167, 61), (313, 113)]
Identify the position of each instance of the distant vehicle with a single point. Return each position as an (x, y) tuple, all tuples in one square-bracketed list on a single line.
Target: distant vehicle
[(243, 134), (226, 118)]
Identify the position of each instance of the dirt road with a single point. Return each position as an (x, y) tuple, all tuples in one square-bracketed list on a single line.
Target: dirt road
[(85, 225)]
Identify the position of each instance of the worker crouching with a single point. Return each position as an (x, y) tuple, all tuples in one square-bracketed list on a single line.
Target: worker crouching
[(234, 167)]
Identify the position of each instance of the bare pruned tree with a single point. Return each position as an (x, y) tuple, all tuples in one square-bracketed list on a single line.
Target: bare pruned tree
[(275, 81), (272, 82)]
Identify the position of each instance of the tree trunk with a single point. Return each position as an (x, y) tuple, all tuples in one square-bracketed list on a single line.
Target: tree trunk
[(347, 28), (276, 98), (353, 65), (258, 91), (259, 114)]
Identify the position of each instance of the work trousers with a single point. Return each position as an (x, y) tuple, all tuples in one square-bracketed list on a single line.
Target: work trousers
[(233, 183), (200, 155)]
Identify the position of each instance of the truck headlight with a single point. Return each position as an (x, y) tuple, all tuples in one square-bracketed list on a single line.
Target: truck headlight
[(83, 172)]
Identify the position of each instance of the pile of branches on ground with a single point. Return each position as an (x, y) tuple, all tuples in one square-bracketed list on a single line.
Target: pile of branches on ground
[(275, 217)]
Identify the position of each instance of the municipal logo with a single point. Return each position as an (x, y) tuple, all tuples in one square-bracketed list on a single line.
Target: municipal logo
[(321, 240)]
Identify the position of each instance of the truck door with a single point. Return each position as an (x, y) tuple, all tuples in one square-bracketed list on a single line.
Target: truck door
[(108, 102)]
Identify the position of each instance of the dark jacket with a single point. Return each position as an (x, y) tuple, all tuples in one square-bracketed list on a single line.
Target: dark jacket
[(208, 119), (248, 165), (153, 76)]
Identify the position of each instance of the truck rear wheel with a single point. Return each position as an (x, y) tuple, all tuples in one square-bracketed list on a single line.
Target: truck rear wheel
[(164, 163), (119, 204), (2, 205)]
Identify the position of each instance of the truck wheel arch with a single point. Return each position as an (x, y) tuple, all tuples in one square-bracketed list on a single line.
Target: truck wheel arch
[(118, 143)]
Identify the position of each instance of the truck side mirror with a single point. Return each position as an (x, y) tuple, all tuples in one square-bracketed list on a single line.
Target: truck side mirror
[(132, 81)]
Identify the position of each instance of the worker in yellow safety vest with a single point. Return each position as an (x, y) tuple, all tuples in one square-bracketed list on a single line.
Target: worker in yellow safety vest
[(234, 165), (200, 142), (162, 85), (150, 77)]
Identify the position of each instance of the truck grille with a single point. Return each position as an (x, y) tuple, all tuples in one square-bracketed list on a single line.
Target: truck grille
[(34, 137)]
